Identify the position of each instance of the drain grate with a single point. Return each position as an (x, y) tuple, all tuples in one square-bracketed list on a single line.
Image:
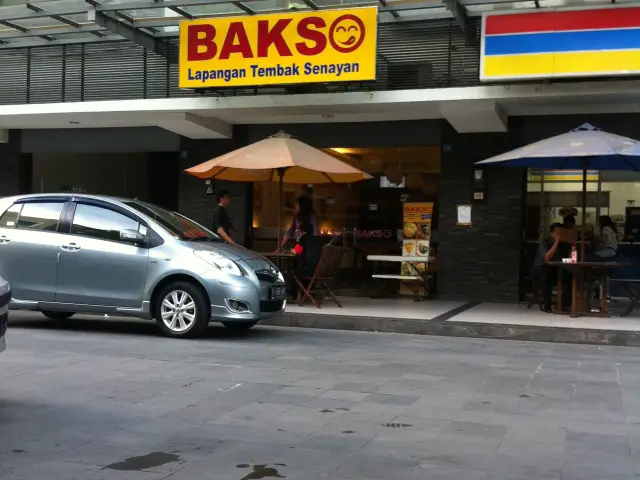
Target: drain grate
[(396, 425)]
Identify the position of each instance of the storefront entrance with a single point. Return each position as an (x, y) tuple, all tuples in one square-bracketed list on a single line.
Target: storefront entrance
[(366, 216)]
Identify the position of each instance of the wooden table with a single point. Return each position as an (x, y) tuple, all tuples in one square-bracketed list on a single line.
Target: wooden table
[(420, 276), (578, 272)]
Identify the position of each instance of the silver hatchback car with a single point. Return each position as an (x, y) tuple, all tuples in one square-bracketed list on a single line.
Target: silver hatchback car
[(5, 298), (66, 253)]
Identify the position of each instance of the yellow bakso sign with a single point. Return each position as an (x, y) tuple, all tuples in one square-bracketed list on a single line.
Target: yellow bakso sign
[(299, 47)]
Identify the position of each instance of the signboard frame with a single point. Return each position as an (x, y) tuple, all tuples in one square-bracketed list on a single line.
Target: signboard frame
[(261, 62), (501, 78)]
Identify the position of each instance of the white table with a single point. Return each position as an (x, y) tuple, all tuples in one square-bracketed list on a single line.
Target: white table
[(422, 277)]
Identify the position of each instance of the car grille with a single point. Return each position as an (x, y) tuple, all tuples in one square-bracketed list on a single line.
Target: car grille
[(271, 306)]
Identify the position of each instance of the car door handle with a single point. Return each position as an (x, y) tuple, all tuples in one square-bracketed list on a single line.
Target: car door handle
[(4, 239), (71, 247)]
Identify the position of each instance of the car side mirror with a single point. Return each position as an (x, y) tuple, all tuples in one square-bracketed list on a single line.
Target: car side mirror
[(132, 236)]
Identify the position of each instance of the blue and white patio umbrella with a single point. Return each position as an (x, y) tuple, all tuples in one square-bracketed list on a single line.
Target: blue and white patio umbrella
[(632, 154), (584, 148)]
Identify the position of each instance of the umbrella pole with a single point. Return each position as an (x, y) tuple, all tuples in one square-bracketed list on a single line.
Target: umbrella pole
[(584, 209), (281, 204)]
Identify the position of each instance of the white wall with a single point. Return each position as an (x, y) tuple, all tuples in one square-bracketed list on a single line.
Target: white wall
[(123, 175), (619, 192)]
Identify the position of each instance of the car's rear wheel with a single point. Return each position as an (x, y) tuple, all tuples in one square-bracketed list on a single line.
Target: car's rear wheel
[(181, 310), (239, 326), (55, 315)]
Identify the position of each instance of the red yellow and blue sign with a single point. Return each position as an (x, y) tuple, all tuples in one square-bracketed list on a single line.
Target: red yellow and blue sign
[(286, 48), (553, 44)]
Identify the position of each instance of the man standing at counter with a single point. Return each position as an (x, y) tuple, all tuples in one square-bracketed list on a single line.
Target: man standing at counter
[(551, 249)]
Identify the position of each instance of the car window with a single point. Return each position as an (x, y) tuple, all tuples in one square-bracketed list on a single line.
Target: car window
[(10, 217), (42, 216), (102, 223), (178, 225)]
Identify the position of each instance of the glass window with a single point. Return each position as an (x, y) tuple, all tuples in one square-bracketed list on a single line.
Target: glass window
[(41, 216), (10, 217), (102, 223)]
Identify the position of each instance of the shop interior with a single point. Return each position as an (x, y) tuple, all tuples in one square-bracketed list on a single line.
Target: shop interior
[(552, 195), (366, 216)]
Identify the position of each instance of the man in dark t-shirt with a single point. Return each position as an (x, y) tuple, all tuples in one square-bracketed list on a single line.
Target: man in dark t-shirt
[(551, 249), (221, 222)]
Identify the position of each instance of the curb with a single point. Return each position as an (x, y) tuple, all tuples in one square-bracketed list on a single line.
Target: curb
[(458, 329)]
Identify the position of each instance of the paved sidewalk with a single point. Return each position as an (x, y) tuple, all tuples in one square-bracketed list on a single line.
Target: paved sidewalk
[(99, 399)]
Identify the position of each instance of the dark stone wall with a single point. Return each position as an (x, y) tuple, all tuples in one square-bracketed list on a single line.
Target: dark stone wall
[(532, 129), (163, 174), (15, 167), (193, 200), (480, 262)]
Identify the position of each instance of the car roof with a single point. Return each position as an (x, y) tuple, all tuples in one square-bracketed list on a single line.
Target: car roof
[(35, 196)]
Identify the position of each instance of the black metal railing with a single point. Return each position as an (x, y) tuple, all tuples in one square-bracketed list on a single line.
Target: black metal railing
[(427, 54)]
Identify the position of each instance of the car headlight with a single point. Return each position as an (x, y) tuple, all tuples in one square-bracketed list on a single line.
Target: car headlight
[(219, 261), (276, 269)]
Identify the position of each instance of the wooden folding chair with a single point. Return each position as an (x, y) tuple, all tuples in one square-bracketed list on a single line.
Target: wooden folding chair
[(323, 278)]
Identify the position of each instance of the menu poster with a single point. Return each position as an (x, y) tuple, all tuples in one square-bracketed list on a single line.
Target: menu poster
[(416, 234)]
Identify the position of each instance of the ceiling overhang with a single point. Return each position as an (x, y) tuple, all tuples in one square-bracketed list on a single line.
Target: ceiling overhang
[(59, 22), (468, 110)]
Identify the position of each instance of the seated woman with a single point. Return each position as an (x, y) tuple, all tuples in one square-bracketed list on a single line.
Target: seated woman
[(551, 249), (309, 250), (607, 250), (608, 241)]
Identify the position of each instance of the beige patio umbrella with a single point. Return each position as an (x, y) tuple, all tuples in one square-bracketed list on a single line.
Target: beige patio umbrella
[(279, 158)]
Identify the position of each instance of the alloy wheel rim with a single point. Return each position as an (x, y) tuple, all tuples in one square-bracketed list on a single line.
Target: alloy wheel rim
[(178, 311)]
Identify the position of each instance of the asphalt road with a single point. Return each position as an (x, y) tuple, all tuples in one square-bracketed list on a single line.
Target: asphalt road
[(104, 399)]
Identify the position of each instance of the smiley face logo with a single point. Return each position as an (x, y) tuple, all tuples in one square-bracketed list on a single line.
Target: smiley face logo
[(346, 33)]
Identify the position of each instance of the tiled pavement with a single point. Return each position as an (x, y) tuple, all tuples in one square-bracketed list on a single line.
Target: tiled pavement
[(112, 400)]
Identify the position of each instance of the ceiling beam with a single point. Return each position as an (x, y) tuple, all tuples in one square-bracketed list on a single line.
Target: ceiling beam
[(459, 13), (59, 18), (245, 8), (150, 4), (35, 11), (393, 12), (34, 42), (15, 26), (132, 34), (151, 22), (37, 32)]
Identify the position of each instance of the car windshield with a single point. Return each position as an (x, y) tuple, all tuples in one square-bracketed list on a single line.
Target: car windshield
[(178, 225)]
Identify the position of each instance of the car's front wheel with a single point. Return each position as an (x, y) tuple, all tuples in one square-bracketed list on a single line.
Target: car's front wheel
[(55, 315), (239, 326), (181, 310)]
